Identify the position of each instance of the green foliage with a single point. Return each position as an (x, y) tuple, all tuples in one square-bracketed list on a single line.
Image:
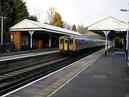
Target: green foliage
[(33, 18), (74, 28), (15, 11)]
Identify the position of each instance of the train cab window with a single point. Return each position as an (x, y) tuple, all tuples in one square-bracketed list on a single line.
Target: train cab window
[(61, 41), (66, 41), (71, 41)]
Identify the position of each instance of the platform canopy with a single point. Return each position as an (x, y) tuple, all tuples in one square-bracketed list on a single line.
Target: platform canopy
[(111, 24), (29, 25)]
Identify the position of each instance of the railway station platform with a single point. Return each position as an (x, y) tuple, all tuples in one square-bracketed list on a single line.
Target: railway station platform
[(26, 53), (92, 76), (16, 60)]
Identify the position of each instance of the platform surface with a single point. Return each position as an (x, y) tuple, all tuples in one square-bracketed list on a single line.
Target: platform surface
[(92, 76), (25, 54), (101, 79)]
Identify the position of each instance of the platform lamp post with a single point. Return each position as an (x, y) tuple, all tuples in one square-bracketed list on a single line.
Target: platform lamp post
[(106, 36), (2, 20), (127, 36)]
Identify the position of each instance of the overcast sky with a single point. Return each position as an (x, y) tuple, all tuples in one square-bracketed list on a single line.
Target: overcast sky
[(77, 12)]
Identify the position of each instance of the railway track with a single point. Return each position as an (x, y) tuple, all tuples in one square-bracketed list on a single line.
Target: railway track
[(12, 80)]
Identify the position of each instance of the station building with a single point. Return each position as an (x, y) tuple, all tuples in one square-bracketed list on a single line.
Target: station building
[(31, 34)]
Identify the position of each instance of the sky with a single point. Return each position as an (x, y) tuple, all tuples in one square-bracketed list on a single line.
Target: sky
[(80, 12)]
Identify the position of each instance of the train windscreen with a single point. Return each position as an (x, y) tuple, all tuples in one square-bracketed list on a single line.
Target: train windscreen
[(66, 41), (61, 41)]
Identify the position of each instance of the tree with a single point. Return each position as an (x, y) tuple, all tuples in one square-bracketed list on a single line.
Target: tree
[(82, 29), (50, 15), (15, 11), (66, 25), (0, 5), (20, 10), (33, 18), (57, 21), (54, 18), (74, 28)]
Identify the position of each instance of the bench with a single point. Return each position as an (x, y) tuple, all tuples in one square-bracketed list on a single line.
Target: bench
[(120, 53)]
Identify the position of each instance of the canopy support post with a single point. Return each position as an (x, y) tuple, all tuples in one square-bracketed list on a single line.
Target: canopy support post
[(106, 42), (31, 39)]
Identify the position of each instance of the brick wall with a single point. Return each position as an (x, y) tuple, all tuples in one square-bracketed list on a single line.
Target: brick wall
[(16, 38)]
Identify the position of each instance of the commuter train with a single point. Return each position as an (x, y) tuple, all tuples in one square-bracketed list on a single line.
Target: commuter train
[(76, 43)]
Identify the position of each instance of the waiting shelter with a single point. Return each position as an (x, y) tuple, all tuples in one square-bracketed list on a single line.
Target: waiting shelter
[(31, 34)]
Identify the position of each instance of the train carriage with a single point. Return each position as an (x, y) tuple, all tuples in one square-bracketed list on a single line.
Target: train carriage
[(76, 43)]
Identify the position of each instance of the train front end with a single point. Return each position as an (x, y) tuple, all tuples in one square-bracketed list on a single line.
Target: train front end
[(66, 44)]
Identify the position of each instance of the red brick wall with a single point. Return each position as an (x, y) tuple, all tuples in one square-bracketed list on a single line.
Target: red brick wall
[(16, 38)]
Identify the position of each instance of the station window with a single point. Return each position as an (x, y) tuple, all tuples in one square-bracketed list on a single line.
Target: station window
[(25, 40)]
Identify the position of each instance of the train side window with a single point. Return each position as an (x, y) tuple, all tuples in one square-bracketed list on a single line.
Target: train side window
[(70, 41)]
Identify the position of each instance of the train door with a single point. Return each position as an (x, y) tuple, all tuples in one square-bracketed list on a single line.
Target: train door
[(66, 47), (61, 44), (71, 44), (76, 45)]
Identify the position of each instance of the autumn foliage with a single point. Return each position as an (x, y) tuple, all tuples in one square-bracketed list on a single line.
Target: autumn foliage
[(54, 18)]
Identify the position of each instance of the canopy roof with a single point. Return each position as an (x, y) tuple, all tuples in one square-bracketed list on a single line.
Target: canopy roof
[(29, 25), (115, 26), (109, 23)]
